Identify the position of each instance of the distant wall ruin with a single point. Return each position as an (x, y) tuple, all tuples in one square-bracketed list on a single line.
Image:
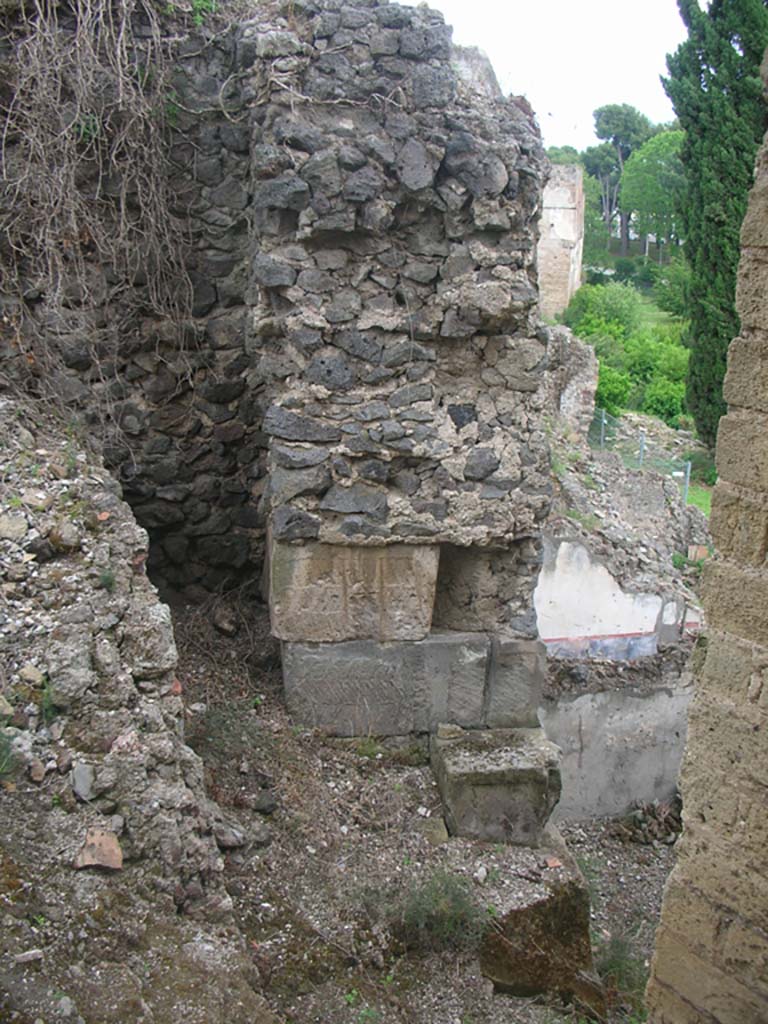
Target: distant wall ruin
[(711, 961), (561, 244)]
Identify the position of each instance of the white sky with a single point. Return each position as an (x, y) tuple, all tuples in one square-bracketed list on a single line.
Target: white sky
[(571, 56)]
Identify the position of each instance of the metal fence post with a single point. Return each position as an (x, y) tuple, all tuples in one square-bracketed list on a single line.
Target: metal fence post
[(642, 447), (602, 428), (686, 483)]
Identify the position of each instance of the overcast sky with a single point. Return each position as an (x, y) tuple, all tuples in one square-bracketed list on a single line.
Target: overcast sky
[(571, 57)]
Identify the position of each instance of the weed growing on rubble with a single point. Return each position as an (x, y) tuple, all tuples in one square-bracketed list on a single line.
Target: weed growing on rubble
[(624, 974), (106, 580), (48, 709), (438, 913), (587, 520), (7, 759)]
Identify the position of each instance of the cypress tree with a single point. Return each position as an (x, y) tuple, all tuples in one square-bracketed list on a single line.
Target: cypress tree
[(714, 85)]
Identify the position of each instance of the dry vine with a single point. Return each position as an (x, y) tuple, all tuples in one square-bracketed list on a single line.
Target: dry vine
[(86, 217)]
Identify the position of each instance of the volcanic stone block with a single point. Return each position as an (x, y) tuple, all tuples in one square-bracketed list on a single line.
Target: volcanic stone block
[(498, 784), (328, 593), (364, 688)]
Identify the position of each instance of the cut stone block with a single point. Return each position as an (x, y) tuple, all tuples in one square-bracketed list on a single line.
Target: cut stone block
[(328, 593), (497, 784), (362, 688), (516, 683)]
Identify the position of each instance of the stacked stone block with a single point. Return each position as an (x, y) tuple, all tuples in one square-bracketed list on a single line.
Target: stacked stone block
[(711, 961)]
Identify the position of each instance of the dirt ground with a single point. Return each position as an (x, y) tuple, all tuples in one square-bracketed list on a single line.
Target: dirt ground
[(338, 832)]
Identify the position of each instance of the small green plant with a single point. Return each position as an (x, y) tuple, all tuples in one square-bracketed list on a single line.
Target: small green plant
[(589, 482), (71, 465), (439, 913), (590, 869), (367, 747), (48, 709), (352, 997), (106, 580), (15, 501), (368, 1016), (87, 129), (623, 973), (681, 561), (257, 701), (172, 108), (7, 758), (40, 920), (200, 11), (585, 519)]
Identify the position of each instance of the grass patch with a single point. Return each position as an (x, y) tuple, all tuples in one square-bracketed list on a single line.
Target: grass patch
[(585, 519), (652, 315), (701, 497)]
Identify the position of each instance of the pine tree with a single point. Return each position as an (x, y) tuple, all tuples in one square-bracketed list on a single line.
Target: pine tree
[(714, 85)]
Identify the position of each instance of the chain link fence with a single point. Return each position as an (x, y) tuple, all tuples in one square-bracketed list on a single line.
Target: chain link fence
[(637, 450)]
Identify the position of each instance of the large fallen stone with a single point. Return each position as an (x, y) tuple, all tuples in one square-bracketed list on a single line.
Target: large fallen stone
[(328, 593), (363, 688), (497, 784), (543, 945)]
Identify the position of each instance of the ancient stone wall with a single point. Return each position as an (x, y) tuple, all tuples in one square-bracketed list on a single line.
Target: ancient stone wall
[(712, 948), (361, 382), (394, 296), (562, 238), (362, 206)]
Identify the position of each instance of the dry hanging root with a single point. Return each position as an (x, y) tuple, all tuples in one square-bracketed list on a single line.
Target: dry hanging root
[(85, 202)]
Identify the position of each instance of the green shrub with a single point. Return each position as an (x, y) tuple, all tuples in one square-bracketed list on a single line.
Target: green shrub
[(615, 304), (672, 290), (625, 269), (613, 388), (646, 274), (666, 399)]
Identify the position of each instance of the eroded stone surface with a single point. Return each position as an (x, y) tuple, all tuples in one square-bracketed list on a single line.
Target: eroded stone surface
[(544, 946), (712, 943), (499, 785), (323, 592), (364, 688)]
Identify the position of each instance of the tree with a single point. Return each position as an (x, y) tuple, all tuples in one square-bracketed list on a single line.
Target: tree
[(625, 129), (564, 155), (714, 85), (652, 185), (601, 163)]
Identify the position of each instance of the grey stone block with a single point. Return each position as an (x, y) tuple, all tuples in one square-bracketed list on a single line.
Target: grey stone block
[(516, 682), (499, 785), (364, 688)]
